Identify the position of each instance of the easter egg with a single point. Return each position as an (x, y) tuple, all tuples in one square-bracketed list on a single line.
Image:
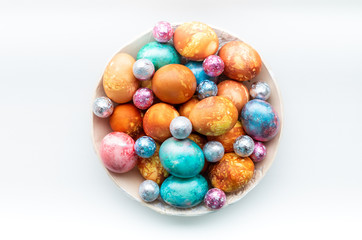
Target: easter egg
[(174, 83), (184, 192), (186, 108), (235, 91), (156, 122), (159, 54), (195, 40), (231, 173), (241, 61), (181, 158), (117, 152), (126, 118), (198, 70), (228, 138), (119, 82), (260, 121), (214, 116), (200, 141), (151, 168)]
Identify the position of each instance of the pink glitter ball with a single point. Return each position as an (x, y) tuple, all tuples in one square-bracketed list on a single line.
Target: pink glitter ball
[(162, 32), (143, 98), (213, 65), (215, 198), (259, 153)]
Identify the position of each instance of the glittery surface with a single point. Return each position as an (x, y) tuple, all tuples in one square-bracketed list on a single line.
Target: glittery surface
[(180, 127), (213, 151), (198, 70), (143, 69), (213, 66), (143, 98), (206, 89), (149, 191), (162, 32), (103, 107), (259, 153), (159, 54), (260, 90), (260, 121), (145, 147), (215, 198), (184, 192), (181, 158), (244, 146)]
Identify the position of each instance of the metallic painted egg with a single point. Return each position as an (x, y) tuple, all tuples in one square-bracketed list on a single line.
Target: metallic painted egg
[(103, 107), (162, 32), (228, 138), (159, 54), (206, 89), (126, 118), (180, 127), (213, 151), (198, 70), (259, 153), (145, 147), (260, 90), (213, 66), (143, 69), (235, 91), (244, 146), (215, 199), (143, 98), (149, 191)]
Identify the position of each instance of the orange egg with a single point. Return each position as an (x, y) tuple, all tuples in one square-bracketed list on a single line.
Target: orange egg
[(195, 40), (156, 122), (235, 91), (174, 83), (241, 61), (126, 118), (228, 139), (200, 141), (186, 108), (118, 81), (146, 84), (213, 116)]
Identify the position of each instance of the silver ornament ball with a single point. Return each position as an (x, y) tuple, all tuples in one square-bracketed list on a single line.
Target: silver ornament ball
[(213, 151), (180, 127), (244, 146), (143, 69), (260, 90), (149, 191), (103, 107)]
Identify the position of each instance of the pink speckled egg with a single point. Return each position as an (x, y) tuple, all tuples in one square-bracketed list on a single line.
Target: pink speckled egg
[(213, 66), (162, 32), (117, 152), (143, 98), (259, 153)]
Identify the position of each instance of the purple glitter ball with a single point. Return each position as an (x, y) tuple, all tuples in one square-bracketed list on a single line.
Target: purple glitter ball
[(162, 32), (213, 66), (143, 98), (259, 152), (215, 198)]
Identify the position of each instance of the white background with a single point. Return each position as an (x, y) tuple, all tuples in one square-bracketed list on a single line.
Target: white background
[(52, 54)]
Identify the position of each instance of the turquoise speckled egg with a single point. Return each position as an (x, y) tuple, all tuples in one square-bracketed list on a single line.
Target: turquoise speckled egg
[(184, 192), (181, 158), (159, 54)]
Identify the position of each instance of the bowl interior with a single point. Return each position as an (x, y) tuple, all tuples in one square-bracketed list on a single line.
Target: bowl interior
[(129, 182)]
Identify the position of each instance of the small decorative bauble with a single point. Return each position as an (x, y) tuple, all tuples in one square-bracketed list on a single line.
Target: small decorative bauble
[(145, 147), (198, 70), (244, 146), (213, 65), (215, 198), (180, 127), (206, 89), (143, 98), (143, 69), (260, 90), (149, 191), (103, 107), (213, 151), (259, 153), (162, 32)]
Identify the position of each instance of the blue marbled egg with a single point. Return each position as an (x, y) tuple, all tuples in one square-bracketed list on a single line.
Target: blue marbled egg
[(159, 54), (198, 70), (184, 192), (181, 158)]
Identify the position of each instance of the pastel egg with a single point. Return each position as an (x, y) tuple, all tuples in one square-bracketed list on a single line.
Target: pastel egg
[(119, 82), (213, 116), (198, 70), (241, 61), (231, 173), (228, 138), (260, 121), (156, 122), (235, 91), (117, 152), (195, 40), (159, 54), (184, 192), (126, 118), (174, 84), (181, 158), (186, 108)]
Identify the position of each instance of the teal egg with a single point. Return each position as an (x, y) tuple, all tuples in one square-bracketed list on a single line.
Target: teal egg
[(181, 158), (184, 192), (159, 54)]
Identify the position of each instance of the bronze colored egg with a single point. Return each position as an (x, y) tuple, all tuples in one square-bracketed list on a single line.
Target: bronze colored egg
[(241, 61), (118, 81), (174, 83), (200, 141), (151, 168), (195, 40), (126, 118), (213, 116), (228, 139), (146, 84), (231, 173), (156, 122), (235, 91), (186, 108)]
